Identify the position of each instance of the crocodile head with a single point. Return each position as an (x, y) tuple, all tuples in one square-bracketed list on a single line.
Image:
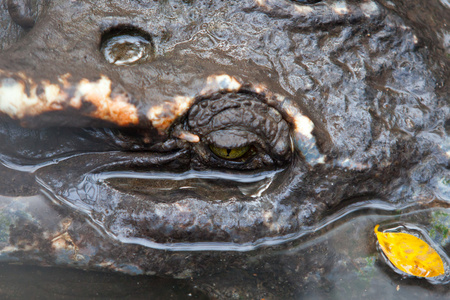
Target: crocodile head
[(230, 122)]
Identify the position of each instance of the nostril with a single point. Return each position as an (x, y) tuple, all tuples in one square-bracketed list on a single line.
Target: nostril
[(126, 45), (23, 12)]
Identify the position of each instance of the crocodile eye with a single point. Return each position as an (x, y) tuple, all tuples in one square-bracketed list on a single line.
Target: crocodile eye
[(238, 153), (237, 131)]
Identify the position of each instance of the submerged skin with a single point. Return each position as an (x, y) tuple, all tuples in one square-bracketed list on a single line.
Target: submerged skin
[(342, 101)]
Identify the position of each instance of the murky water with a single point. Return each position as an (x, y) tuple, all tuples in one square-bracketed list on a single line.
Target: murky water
[(344, 105), (28, 282)]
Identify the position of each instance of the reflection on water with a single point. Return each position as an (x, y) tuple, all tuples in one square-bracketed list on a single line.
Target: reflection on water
[(226, 185)]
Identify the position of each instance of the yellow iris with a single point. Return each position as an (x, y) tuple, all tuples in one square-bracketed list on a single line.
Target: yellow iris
[(227, 153)]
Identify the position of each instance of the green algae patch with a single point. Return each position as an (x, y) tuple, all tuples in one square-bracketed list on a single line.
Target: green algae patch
[(5, 223), (440, 227)]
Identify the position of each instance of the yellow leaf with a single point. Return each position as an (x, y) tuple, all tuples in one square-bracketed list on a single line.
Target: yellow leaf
[(410, 254)]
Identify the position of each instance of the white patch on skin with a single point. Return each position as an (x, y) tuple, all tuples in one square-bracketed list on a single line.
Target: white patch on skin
[(101, 88), (405, 28), (187, 136), (304, 10), (304, 140), (370, 8), (261, 3), (63, 79), (268, 217), (218, 83), (116, 109), (162, 116), (52, 92), (13, 97), (304, 126), (352, 165), (17, 103), (259, 88), (184, 103), (340, 8), (154, 114)]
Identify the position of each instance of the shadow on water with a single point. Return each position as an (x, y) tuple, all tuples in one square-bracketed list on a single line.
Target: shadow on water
[(29, 282)]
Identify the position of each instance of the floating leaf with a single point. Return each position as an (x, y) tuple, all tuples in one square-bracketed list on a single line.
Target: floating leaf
[(410, 254)]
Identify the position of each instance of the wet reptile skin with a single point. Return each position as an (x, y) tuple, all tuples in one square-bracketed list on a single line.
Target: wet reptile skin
[(341, 102)]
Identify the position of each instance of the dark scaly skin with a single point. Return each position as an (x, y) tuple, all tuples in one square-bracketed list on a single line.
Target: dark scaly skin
[(373, 85)]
